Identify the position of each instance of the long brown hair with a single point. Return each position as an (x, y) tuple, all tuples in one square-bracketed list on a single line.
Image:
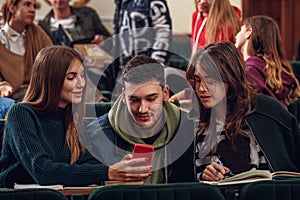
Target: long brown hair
[(44, 91), (221, 17), (224, 59), (265, 42)]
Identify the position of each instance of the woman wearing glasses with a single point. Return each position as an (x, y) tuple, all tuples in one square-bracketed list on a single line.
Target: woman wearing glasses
[(238, 129)]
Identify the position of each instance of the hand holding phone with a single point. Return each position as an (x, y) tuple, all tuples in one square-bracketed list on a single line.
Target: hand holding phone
[(144, 151)]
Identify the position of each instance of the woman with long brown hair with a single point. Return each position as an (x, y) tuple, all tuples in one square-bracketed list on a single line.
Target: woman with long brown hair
[(260, 43), (238, 129), (41, 142)]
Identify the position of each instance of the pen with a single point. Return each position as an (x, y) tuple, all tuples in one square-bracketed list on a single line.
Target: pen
[(219, 163), (227, 175)]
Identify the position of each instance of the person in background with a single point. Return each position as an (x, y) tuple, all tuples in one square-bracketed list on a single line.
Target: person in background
[(20, 41), (5, 104), (142, 115), (238, 130), (141, 27), (42, 144), (260, 44), (82, 23), (213, 21)]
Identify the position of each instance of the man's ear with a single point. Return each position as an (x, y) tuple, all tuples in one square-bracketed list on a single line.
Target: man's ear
[(166, 92), (123, 96)]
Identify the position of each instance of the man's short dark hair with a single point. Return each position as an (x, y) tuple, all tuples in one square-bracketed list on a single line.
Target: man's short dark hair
[(141, 69)]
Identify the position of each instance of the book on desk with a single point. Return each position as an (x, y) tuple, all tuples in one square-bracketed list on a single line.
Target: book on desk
[(255, 175)]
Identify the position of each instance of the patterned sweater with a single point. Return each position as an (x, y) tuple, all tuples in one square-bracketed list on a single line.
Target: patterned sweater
[(35, 151)]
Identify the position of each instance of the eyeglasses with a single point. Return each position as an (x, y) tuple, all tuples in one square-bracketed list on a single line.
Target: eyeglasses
[(208, 85)]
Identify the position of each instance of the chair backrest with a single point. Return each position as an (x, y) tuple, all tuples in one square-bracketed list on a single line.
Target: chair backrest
[(31, 194), (186, 191), (271, 190), (296, 68)]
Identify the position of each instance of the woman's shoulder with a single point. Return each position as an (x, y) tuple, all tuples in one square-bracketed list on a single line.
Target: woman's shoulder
[(255, 61), (83, 10), (20, 108), (265, 101), (269, 106)]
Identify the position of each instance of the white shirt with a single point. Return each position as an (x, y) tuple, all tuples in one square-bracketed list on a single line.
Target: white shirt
[(12, 40), (68, 23)]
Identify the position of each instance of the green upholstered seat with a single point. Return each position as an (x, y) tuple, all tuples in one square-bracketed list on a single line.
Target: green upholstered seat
[(271, 190), (176, 191), (296, 68), (31, 194)]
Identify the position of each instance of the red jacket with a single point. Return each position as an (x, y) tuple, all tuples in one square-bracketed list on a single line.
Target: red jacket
[(196, 24)]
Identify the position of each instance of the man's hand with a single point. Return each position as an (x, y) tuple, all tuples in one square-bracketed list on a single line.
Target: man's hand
[(129, 169)]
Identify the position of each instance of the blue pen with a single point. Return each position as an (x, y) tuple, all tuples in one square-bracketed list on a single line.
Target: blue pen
[(219, 163), (227, 175)]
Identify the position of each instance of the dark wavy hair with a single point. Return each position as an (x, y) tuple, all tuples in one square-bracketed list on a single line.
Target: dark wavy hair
[(222, 62)]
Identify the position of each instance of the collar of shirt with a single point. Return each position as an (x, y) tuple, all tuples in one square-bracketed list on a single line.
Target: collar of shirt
[(12, 34)]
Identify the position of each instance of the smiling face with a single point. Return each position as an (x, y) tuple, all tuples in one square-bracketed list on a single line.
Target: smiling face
[(210, 92), (22, 14), (145, 102), (72, 91)]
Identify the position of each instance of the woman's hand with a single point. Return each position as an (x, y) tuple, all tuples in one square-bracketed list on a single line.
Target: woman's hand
[(129, 169), (184, 100), (6, 90), (214, 172)]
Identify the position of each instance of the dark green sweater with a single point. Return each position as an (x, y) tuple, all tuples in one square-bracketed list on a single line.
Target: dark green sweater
[(35, 151)]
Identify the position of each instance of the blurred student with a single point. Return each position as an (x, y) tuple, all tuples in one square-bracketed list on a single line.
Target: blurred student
[(238, 129), (214, 21), (42, 143), (260, 43), (141, 27), (20, 41), (83, 23)]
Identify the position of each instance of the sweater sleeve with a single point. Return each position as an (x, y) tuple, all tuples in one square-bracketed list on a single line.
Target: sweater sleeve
[(23, 133)]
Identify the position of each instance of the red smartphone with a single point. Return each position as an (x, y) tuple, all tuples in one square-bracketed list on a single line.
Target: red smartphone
[(144, 151)]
